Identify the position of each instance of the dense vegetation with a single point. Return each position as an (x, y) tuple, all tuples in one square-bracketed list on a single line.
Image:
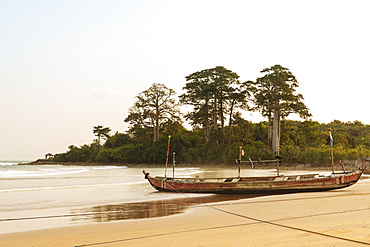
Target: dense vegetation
[(217, 99), (305, 142)]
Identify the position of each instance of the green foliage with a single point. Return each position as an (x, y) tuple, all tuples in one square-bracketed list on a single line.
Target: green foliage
[(316, 155), (302, 142), (105, 155), (117, 140), (276, 91), (274, 95), (84, 153), (154, 107), (213, 94), (204, 154), (254, 151), (101, 132)]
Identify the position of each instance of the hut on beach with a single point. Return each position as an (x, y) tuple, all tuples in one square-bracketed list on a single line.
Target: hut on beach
[(49, 156)]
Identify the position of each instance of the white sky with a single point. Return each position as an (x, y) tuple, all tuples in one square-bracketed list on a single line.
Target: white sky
[(66, 66)]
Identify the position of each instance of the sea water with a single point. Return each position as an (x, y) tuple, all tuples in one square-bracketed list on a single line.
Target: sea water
[(42, 196), (47, 186), (28, 191)]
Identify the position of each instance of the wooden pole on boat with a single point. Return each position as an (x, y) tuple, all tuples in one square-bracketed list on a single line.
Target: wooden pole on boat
[(168, 151), (241, 153), (331, 149), (173, 162), (251, 163)]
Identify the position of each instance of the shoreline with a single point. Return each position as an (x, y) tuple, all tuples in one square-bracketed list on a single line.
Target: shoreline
[(331, 218), (221, 166)]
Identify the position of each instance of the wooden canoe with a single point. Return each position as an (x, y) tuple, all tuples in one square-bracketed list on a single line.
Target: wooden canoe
[(257, 185)]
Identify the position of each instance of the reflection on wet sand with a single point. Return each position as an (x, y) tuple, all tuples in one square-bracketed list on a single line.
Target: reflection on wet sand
[(148, 209)]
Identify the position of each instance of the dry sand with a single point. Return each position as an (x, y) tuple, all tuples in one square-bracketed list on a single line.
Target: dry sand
[(333, 218)]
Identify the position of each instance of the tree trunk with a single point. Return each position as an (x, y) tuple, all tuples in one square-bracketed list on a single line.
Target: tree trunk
[(276, 133), (214, 113), (269, 133), (230, 119), (222, 120), (276, 124), (206, 122), (156, 127)]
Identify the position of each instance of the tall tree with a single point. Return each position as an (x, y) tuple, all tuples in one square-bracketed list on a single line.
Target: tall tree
[(198, 94), (101, 132), (153, 108), (209, 92), (275, 97), (238, 99)]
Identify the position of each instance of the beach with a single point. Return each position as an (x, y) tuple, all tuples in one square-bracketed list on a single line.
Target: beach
[(331, 218)]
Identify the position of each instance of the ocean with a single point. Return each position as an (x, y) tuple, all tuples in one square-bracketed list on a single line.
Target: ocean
[(43, 196)]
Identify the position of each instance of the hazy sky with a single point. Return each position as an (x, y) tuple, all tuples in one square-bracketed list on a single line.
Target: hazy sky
[(66, 66)]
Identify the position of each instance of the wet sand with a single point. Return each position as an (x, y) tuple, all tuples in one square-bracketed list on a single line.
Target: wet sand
[(333, 218), (26, 220)]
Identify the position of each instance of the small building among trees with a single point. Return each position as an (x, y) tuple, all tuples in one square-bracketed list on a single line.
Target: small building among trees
[(49, 156)]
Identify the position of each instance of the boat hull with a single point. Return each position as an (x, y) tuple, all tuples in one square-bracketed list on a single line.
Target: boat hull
[(256, 185)]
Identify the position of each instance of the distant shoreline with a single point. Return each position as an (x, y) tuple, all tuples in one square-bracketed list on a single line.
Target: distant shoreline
[(228, 166)]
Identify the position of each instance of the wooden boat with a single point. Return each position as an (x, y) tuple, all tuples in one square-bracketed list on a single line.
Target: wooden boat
[(257, 185)]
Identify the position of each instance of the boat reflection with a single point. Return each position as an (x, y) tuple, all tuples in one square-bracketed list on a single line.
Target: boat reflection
[(148, 209)]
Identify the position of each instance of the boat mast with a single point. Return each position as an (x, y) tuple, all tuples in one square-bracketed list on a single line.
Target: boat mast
[(168, 151), (241, 153), (173, 164), (331, 149)]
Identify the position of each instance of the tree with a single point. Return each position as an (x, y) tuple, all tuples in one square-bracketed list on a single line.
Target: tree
[(242, 130), (117, 140), (101, 132), (238, 99), (275, 97), (210, 91), (153, 108)]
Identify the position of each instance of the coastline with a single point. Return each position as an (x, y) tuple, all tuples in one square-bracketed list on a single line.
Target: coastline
[(332, 218), (286, 167)]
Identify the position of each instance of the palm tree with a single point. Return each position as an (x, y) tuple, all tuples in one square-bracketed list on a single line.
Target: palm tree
[(101, 132)]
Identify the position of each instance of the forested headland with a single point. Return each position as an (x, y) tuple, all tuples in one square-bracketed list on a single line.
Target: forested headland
[(217, 100)]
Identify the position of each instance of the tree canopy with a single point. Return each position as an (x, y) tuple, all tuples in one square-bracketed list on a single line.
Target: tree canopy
[(212, 93), (275, 97), (101, 132), (153, 108)]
